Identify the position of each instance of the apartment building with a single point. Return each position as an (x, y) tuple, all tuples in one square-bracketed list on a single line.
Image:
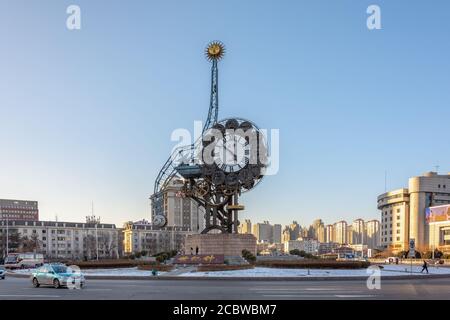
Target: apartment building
[(143, 236), (62, 240)]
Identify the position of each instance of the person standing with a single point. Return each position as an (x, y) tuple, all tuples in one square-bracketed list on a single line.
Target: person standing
[(424, 266), (196, 251), (192, 251)]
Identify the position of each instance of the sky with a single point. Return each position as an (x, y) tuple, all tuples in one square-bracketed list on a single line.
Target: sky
[(86, 115)]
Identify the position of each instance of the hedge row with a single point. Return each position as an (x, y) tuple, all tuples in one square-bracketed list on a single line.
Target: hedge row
[(119, 263), (313, 264), (223, 267), (159, 267)]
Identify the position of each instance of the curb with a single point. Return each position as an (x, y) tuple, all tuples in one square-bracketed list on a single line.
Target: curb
[(178, 278)]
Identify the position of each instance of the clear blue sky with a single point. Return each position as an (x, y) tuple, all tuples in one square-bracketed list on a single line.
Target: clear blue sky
[(87, 115)]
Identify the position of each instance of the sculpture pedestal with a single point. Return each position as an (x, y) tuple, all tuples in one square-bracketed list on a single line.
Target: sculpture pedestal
[(227, 244)]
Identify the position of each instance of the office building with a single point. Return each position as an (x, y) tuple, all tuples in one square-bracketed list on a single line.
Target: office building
[(403, 210)]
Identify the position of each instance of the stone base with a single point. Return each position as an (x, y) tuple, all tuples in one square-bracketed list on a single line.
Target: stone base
[(227, 244)]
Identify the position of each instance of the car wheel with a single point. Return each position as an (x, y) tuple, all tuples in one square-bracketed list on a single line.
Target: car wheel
[(35, 283), (56, 284)]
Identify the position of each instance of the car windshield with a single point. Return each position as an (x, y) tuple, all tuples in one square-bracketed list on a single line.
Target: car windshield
[(11, 260), (60, 269)]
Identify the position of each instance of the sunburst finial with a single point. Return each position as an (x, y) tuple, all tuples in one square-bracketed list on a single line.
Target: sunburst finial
[(215, 51)]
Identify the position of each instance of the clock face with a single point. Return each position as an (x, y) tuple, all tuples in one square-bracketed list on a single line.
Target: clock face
[(159, 221), (232, 153)]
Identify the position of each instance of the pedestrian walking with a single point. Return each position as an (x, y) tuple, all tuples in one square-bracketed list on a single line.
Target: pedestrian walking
[(192, 251), (196, 251), (424, 266)]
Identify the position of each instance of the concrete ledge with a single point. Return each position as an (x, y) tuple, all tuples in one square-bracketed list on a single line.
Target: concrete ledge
[(176, 278)]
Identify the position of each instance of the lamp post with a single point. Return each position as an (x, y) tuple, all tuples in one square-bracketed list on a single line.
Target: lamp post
[(7, 235), (96, 239)]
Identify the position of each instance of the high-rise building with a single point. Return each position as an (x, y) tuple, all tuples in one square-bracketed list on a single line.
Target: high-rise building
[(394, 206), (19, 210), (315, 228), (330, 234), (341, 232), (180, 211), (263, 232), (349, 236), (294, 229), (286, 234), (246, 226), (321, 237), (373, 234), (403, 210), (358, 232), (276, 233)]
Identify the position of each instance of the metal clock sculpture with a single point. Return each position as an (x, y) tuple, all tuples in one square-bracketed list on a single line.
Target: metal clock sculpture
[(230, 158)]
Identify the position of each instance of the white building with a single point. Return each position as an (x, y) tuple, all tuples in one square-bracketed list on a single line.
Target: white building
[(341, 232), (358, 232), (309, 246), (403, 210), (330, 234), (140, 237), (66, 240), (373, 234)]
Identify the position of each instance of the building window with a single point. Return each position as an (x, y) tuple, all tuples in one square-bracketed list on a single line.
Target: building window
[(398, 210), (398, 238)]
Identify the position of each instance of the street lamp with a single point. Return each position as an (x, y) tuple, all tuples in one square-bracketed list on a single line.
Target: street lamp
[(7, 235), (96, 239)]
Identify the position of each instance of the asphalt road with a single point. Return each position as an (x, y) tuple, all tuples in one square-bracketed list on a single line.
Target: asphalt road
[(21, 289)]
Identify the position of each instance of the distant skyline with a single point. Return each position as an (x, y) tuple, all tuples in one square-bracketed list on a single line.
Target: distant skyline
[(87, 115)]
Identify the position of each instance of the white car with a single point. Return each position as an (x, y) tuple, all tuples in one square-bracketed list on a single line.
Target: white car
[(2, 273)]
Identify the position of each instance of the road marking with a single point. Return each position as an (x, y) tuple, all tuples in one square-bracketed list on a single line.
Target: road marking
[(299, 289), (354, 295), (297, 295), (97, 289), (29, 296)]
